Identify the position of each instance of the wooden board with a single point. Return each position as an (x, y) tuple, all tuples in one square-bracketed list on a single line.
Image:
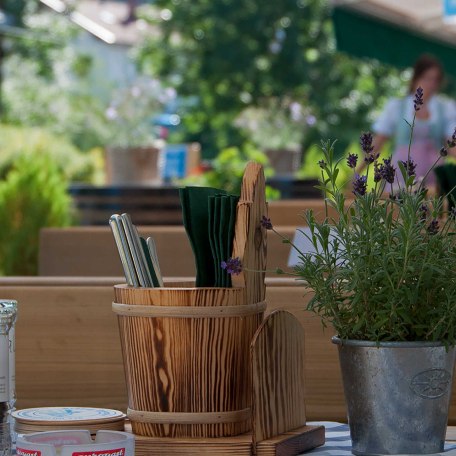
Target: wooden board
[(292, 443), (288, 444), (277, 357), (250, 237)]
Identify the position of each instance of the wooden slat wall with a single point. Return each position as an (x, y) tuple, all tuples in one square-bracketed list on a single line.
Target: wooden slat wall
[(64, 251), (68, 347)]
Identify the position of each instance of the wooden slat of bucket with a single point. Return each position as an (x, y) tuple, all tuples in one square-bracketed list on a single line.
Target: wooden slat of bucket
[(250, 237), (175, 295), (187, 364), (278, 376)]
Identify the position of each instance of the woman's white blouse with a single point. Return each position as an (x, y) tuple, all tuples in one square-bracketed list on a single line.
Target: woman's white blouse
[(396, 110)]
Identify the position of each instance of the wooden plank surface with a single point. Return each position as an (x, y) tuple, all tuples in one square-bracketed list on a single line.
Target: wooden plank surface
[(288, 444), (277, 359), (64, 251), (250, 238), (68, 343)]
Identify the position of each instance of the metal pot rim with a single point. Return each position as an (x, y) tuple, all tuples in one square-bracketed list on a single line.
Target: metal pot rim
[(367, 343)]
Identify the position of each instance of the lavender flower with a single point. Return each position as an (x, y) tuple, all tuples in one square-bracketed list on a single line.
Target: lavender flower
[(366, 142), (410, 167), (388, 171), (360, 185), (444, 151), (232, 265), (423, 211), (452, 141), (377, 173), (266, 222), (352, 160), (433, 227), (418, 100), (322, 164)]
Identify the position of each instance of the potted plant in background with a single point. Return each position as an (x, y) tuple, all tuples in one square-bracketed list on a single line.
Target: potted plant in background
[(277, 127), (132, 155), (383, 275)]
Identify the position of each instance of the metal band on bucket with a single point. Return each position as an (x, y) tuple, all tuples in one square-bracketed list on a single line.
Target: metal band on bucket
[(188, 311), (189, 418)]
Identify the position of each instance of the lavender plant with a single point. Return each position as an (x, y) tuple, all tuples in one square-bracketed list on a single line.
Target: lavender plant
[(384, 268)]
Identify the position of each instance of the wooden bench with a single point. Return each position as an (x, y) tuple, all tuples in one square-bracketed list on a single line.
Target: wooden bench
[(68, 346), (91, 251)]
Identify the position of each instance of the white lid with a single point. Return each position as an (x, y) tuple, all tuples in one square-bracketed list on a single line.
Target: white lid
[(67, 415)]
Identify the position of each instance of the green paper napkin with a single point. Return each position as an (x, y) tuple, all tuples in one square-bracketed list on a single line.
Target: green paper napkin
[(209, 218), (195, 214)]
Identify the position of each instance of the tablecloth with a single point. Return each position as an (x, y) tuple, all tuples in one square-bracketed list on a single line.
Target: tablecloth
[(338, 441)]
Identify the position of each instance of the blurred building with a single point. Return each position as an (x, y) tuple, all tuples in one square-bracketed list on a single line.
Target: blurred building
[(397, 32), (109, 30)]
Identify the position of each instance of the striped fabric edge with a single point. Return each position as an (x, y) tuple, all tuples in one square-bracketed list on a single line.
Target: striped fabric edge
[(338, 442)]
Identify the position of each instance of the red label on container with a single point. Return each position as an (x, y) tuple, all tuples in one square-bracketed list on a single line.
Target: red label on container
[(24, 452), (116, 452)]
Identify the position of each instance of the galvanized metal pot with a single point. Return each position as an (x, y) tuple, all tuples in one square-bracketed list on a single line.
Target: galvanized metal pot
[(397, 394)]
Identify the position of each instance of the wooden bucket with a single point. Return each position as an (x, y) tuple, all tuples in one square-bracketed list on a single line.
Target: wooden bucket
[(186, 358)]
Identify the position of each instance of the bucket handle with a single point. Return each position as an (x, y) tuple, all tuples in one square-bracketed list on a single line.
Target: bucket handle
[(129, 310), (189, 418)]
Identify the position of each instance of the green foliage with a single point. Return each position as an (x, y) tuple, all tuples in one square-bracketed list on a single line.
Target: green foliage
[(61, 107), (229, 55), (47, 34), (33, 196), (383, 268), (56, 94), (35, 142), (228, 169)]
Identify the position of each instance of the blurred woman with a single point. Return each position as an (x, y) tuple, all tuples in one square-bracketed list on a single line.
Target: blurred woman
[(435, 120)]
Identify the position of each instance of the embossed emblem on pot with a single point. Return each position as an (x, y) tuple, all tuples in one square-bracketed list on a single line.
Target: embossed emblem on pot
[(431, 383)]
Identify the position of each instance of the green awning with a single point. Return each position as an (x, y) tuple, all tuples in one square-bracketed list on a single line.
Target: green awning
[(363, 35)]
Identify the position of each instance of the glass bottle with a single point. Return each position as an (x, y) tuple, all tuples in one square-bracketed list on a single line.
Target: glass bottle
[(11, 305), (6, 321)]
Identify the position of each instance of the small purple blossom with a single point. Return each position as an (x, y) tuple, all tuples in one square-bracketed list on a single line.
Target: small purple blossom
[(111, 113), (387, 171), (452, 141), (232, 266), (433, 227), (371, 158), (266, 222), (423, 212), (410, 167), (352, 160), (360, 185), (365, 141), (444, 151), (377, 173), (311, 120), (322, 164), (418, 100)]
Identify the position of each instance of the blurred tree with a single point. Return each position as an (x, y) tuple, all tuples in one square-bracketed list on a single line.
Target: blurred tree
[(231, 54), (14, 10), (55, 94)]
